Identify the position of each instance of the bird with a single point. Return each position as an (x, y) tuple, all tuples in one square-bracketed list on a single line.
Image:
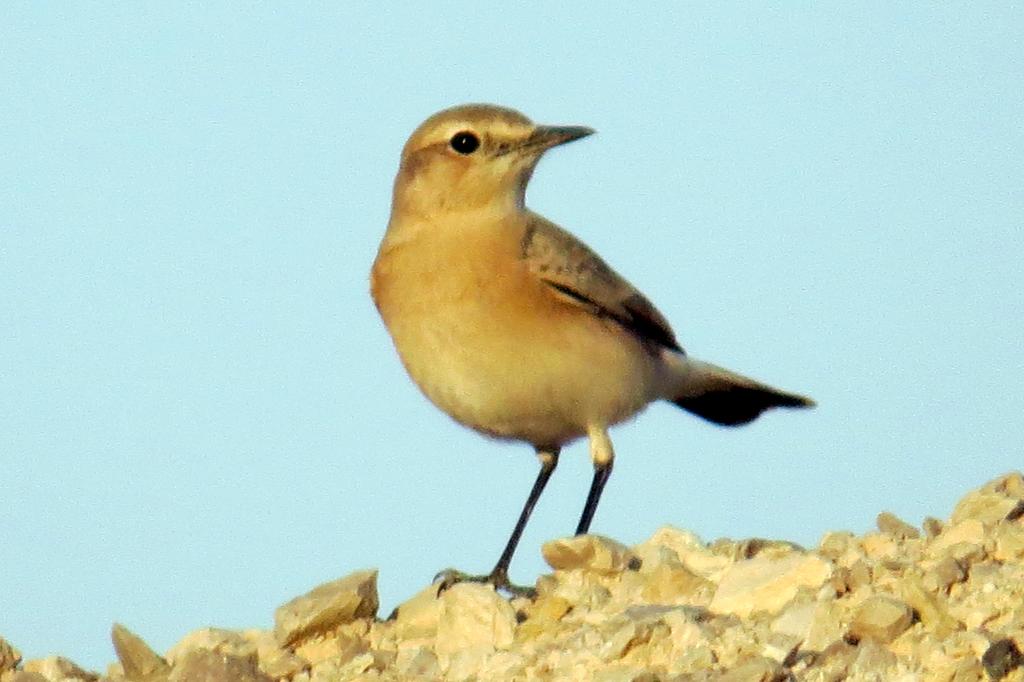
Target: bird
[(513, 326)]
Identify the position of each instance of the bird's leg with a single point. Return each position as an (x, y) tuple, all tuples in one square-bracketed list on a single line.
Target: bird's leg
[(498, 577), (603, 456)]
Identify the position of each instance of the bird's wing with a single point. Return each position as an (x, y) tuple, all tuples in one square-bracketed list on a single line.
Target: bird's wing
[(578, 275)]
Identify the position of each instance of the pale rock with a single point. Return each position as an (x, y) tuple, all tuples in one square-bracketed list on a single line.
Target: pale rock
[(695, 659), (207, 665), (971, 531), (418, 616), (1011, 485), (138, 661), (965, 553), (964, 670), (686, 637), (465, 665), (542, 615), (780, 647), (283, 665), (986, 505), (761, 584), (417, 662), (833, 662), (274, 661), (332, 670), (473, 618), (219, 640), (316, 650), (758, 669), (943, 574), (851, 578), (930, 607), (9, 656), (668, 584), (816, 624), (56, 668), (878, 546), (882, 618), (620, 633), (23, 676), (623, 673), (593, 553), (1009, 542), (327, 606), (873, 661), (688, 549), (501, 667), (895, 527), (582, 589), (835, 544)]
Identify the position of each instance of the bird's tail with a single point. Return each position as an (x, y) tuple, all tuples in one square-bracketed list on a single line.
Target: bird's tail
[(724, 397)]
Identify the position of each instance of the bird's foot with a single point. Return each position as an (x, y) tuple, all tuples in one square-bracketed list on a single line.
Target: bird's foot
[(498, 578)]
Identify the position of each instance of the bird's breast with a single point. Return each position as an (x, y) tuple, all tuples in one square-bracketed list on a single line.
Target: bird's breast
[(487, 343)]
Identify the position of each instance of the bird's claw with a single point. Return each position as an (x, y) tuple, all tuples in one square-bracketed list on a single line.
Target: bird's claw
[(498, 579)]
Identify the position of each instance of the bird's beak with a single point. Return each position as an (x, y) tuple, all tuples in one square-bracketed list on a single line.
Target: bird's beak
[(546, 137)]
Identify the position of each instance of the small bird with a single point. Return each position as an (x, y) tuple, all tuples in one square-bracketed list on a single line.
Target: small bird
[(513, 326)]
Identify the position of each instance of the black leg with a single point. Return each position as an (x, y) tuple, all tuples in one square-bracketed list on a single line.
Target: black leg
[(601, 473), (499, 575), (548, 462)]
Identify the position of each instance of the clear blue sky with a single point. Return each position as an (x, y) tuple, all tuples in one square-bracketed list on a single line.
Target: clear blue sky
[(202, 416)]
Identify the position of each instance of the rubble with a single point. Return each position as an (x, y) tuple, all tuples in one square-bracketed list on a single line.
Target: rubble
[(941, 602)]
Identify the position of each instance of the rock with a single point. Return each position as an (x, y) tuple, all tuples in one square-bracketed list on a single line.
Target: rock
[(763, 584), (418, 616), (543, 614), (667, 584), (23, 676), (946, 572), (327, 606), (140, 663), (624, 673), (879, 547), (1008, 545), (895, 527), (986, 505), (815, 624), (217, 640), (1001, 658), (475, 618), (9, 656), (589, 553), (873, 661), (56, 668), (881, 618), (686, 548), (970, 531), (759, 669), (419, 662), (884, 605), (834, 545), (930, 608), (208, 665), (932, 527)]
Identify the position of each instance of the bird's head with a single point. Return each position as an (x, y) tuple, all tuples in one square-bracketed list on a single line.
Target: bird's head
[(472, 156)]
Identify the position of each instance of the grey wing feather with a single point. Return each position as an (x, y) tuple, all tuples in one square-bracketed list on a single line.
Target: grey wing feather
[(579, 275)]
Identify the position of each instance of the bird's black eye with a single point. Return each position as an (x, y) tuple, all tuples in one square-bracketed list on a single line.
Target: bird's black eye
[(465, 142)]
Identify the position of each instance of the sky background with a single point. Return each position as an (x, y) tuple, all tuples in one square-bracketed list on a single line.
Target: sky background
[(201, 415)]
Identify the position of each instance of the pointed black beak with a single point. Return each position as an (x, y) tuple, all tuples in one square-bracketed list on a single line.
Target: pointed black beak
[(546, 137)]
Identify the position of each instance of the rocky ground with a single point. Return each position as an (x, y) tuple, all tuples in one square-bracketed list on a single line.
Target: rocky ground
[(944, 602)]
